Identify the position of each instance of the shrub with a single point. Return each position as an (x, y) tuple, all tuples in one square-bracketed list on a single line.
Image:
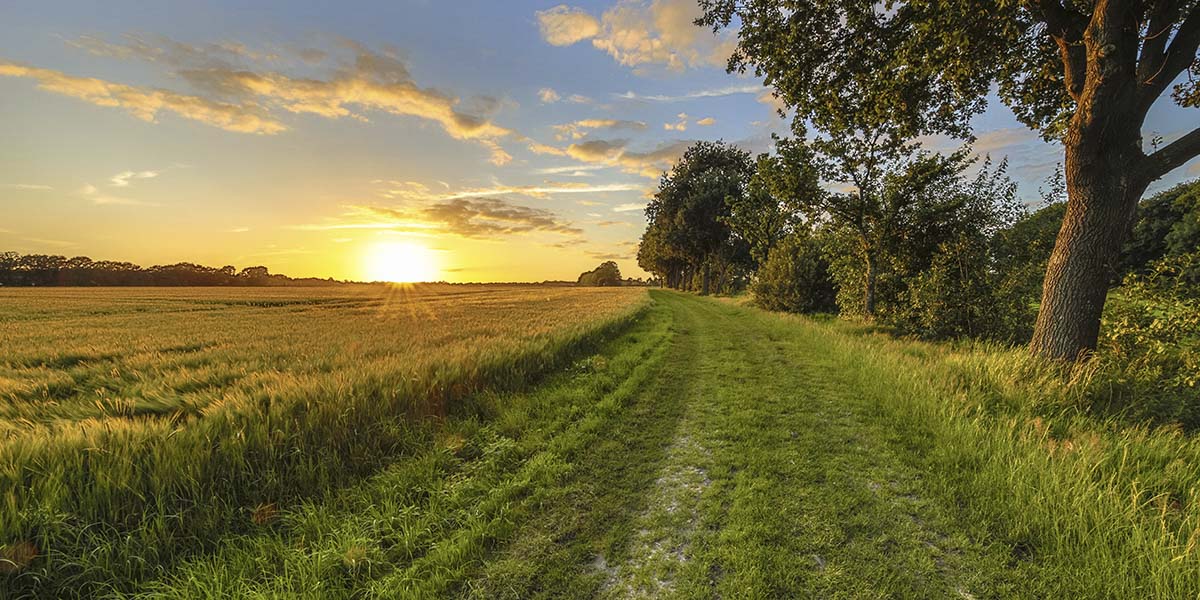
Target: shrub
[(795, 278), (1150, 343)]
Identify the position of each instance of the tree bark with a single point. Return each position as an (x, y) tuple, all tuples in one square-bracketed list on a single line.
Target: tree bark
[(1106, 176), (1100, 209), (872, 278)]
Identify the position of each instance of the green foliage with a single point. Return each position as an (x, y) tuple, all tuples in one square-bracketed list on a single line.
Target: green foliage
[(1150, 343), (1167, 224), (689, 242), (607, 274), (795, 277)]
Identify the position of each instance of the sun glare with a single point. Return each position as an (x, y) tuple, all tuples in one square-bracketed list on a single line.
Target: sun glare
[(401, 262)]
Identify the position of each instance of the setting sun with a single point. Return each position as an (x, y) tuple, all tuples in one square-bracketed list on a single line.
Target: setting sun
[(401, 262)]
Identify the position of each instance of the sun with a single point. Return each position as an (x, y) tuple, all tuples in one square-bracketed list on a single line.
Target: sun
[(401, 262)]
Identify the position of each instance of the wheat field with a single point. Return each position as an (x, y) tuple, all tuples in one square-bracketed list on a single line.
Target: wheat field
[(137, 424)]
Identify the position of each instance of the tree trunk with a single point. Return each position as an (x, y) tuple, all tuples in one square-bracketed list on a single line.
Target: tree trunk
[(872, 278), (1103, 189), (1105, 179)]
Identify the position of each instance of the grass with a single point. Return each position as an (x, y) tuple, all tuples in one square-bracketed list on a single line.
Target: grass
[(142, 424), (711, 449)]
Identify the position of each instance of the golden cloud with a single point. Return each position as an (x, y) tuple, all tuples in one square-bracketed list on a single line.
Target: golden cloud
[(563, 25), (147, 103), (238, 98), (578, 129), (465, 217), (636, 33)]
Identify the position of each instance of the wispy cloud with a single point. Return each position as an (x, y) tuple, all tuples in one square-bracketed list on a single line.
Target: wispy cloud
[(413, 190), (99, 198), (615, 152), (123, 178), (239, 97), (629, 207), (27, 186), (706, 122), (579, 129), (731, 90), (548, 96), (571, 170), (471, 218), (147, 103)]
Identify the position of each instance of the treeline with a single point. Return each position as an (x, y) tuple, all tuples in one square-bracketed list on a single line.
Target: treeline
[(927, 246), (18, 270)]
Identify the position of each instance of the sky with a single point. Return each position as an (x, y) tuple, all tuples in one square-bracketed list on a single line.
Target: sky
[(490, 141)]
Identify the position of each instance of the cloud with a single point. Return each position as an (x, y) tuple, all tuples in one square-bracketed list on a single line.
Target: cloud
[(579, 99), (614, 224), (999, 139), (706, 122), (147, 103), (729, 90), (412, 190), (578, 129), (123, 178), (563, 25), (637, 33), (548, 96), (681, 125), (600, 255), (100, 199), (614, 153), (27, 186), (570, 170), (465, 217), (237, 97), (239, 230), (46, 242), (629, 207)]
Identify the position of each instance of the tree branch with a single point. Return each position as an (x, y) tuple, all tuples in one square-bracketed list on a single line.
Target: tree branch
[(1066, 29), (1156, 73), (1171, 156), (1160, 22)]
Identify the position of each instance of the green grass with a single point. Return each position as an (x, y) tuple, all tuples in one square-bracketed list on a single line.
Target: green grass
[(713, 449), (302, 391)]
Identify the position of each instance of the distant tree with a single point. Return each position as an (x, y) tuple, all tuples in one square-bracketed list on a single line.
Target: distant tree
[(688, 241), (44, 270), (892, 191), (1083, 73), (1167, 224), (607, 274), (770, 210)]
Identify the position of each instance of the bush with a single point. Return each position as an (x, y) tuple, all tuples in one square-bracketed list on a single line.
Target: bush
[(795, 278), (959, 296), (1149, 347)]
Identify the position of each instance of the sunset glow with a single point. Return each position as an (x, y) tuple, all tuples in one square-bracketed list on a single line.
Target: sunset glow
[(522, 140), (401, 262)]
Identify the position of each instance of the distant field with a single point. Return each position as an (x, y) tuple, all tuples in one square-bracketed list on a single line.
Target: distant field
[(140, 422)]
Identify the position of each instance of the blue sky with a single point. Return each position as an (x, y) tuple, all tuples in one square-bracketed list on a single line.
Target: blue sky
[(512, 140)]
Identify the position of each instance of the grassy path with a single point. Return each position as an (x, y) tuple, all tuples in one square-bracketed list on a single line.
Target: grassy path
[(713, 451), (777, 481)]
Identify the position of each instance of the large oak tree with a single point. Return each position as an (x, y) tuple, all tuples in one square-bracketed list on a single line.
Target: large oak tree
[(1082, 72)]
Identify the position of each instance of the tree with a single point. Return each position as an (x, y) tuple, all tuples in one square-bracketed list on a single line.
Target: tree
[(891, 192), (1167, 224), (607, 274), (688, 241), (769, 211), (1083, 73)]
